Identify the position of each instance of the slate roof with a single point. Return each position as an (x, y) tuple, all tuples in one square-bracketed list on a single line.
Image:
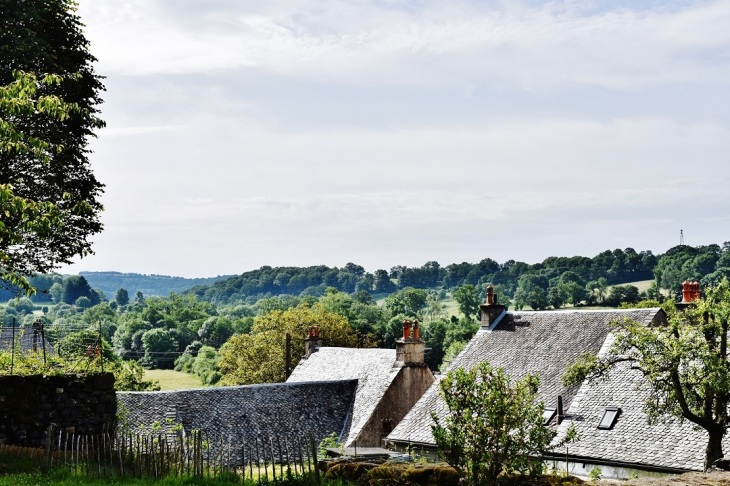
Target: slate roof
[(669, 444), (542, 343), (373, 368), (281, 410), (23, 340)]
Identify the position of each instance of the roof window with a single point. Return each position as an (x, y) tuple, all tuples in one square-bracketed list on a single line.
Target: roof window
[(548, 415), (609, 418)]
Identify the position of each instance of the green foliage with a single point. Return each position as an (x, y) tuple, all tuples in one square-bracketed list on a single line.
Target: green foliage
[(51, 206), (595, 474), (259, 357), (622, 293), (493, 424), (129, 376), (452, 352), (329, 442), (408, 302), (122, 297), (468, 299), (158, 348)]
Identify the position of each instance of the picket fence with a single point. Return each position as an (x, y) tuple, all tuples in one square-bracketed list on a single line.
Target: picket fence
[(260, 458)]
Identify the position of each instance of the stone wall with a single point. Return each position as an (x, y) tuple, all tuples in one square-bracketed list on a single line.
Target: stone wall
[(404, 391), (77, 403)]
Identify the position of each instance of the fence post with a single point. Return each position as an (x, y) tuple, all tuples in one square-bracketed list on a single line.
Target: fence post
[(316, 460), (12, 352), (101, 349), (288, 356), (43, 340)]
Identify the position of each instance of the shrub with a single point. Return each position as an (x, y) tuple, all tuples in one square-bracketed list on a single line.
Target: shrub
[(492, 424)]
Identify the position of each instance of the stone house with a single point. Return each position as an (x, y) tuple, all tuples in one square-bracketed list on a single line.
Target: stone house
[(614, 431), (389, 381)]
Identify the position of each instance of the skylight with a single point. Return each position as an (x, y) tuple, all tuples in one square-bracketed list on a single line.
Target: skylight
[(548, 415), (609, 418)]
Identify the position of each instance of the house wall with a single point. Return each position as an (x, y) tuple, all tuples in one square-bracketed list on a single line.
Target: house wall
[(583, 469), (404, 391), (78, 403)]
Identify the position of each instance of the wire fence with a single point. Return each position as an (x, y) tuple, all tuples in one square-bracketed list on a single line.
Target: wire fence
[(122, 454), (72, 348)]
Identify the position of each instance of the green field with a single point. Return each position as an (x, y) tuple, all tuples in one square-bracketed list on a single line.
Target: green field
[(173, 380)]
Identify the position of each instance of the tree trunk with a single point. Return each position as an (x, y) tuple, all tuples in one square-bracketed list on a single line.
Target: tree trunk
[(714, 446)]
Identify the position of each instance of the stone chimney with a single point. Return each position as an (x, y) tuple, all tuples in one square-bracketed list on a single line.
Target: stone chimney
[(690, 293), (491, 310), (313, 341), (410, 349)]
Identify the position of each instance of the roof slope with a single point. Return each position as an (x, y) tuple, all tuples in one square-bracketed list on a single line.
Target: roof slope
[(667, 444), (273, 410), (542, 343), (373, 368)]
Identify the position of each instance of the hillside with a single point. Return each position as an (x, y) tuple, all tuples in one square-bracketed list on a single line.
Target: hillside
[(149, 285)]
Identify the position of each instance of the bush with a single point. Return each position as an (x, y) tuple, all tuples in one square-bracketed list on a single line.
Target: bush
[(502, 430)]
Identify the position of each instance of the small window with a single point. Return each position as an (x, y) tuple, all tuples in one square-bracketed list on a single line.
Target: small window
[(609, 418), (548, 415)]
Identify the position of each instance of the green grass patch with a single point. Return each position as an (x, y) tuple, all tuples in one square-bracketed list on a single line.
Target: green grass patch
[(173, 380)]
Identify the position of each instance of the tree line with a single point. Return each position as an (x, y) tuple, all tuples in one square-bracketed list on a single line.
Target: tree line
[(554, 281)]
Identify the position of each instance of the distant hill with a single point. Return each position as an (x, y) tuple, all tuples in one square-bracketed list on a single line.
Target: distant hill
[(149, 285)]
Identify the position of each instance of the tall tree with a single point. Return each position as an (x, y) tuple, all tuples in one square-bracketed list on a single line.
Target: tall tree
[(468, 299), (49, 194), (122, 296), (685, 364)]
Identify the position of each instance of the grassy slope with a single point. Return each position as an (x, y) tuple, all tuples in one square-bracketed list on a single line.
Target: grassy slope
[(173, 380)]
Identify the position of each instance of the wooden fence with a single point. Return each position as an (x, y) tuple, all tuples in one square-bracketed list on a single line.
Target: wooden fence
[(259, 458)]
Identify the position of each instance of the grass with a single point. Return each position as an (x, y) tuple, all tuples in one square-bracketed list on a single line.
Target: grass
[(173, 380)]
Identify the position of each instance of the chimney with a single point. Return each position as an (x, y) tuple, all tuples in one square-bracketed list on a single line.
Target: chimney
[(313, 341), (491, 310), (559, 415), (690, 293), (410, 349)]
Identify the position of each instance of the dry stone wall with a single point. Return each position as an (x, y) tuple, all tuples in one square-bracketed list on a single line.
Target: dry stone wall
[(77, 403)]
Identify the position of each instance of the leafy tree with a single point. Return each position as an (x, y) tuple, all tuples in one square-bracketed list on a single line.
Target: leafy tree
[(22, 306), (454, 349), (139, 298), (215, 331), (259, 357), (407, 301), (468, 299), (434, 333), (492, 425), (57, 292), (50, 196), (685, 364), (129, 376), (364, 297), (575, 293), (76, 286), (622, 293), (461, 330), (382, 282), (434, 306), (83, 302), (538, 299), (557, 296), (122, 297), (597, 289), (158, 349)]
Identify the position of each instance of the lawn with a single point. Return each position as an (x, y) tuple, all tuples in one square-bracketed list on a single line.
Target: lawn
[(173, 380)]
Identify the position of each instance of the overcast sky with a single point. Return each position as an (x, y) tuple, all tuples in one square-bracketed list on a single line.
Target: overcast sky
[(299, 132)]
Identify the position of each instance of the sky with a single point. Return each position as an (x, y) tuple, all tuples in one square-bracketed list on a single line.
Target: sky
[(394, 132)]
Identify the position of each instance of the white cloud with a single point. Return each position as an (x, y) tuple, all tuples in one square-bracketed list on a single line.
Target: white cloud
[(304, 132), (357, 41)]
